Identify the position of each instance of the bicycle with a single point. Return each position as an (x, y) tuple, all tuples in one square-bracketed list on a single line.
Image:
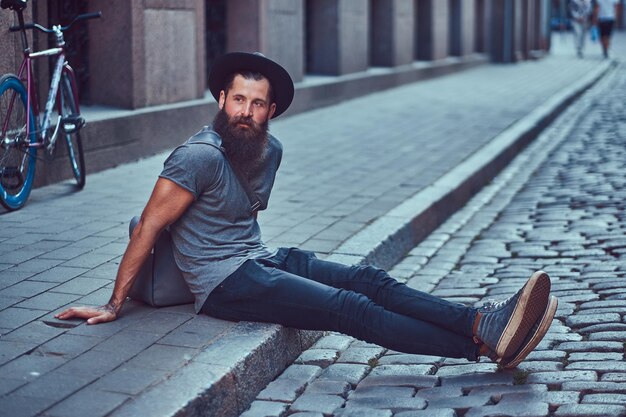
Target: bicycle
[(23, 130)]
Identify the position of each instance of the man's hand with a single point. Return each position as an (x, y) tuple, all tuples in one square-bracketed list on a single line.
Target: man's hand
[(94, 315)]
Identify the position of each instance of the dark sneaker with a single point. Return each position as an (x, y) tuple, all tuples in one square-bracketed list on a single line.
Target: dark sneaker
[(538, 331), (504, 325)]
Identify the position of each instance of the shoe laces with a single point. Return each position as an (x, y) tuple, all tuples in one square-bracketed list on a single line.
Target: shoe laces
[(492, 305)]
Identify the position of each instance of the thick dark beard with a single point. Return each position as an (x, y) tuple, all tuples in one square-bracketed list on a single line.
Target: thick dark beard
[(244, 146)]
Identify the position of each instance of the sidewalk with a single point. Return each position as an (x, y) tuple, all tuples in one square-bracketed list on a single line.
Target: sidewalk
[(350, 188)]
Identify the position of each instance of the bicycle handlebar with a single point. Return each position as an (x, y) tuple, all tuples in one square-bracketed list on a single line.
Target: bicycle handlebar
[(33, 25)]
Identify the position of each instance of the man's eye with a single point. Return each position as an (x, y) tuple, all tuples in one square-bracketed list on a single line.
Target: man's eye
[(259, 104)]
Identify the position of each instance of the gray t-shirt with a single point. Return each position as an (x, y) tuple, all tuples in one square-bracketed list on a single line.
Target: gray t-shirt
[(218, 232)]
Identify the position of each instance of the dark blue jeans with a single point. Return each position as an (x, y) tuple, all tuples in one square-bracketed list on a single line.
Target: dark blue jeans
[(295, 289)]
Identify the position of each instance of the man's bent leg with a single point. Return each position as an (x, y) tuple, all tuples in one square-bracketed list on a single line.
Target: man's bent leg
[(257, 292)]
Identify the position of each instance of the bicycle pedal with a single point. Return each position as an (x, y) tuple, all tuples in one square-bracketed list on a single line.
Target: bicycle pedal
[(71, 124)]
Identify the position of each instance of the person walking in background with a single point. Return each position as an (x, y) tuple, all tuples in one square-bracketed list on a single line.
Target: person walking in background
[(581, 12), (604, 14)]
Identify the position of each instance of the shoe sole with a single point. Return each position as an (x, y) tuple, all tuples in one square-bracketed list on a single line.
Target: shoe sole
[(535, 338), (530, 306)]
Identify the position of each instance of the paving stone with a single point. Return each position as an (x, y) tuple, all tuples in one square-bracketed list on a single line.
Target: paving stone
[(363, 412), (398, 370), (460, 403), (362, 355), (546, 355), (606, 327), (417, 381), (161, 322), (95, 363), (594, 387), (35, 333), (552, 398), (614, 377), (497, 391), (593, 346), (8, 385), (441, 412), (320, 357), (54, 386), (406, 359), (476, 368), (601, 366), (131, 342), (589, 319), (283, 390), (439, 392), (301, 372), (321, 403), (352, 373), (340, 388), (307, 414), (589, 410), (604, 399), (26, 289), (477, 380), (540, 366), (614, 336), (381, 391), (517, 409), (334, 341), (87, 402), (395, 404), (81, 285), (11, 350), (30, 367), (197, 332), (595, 356), (16, 406), (265, 408), (163, 357)]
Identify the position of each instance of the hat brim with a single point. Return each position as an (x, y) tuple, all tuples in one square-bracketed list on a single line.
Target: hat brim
[(279, 78)]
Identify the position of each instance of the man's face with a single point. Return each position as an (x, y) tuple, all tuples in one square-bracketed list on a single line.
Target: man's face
[(247, 99), (242, 121)]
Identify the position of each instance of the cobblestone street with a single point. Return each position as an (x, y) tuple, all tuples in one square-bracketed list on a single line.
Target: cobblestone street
[(559, 207)]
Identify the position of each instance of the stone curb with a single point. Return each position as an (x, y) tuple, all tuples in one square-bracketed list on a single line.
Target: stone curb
[(211, 386)]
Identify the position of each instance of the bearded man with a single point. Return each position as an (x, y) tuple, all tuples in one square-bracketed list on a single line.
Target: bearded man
[(202, 194)]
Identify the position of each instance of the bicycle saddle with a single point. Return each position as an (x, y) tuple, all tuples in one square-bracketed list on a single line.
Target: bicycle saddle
[(13, 4)]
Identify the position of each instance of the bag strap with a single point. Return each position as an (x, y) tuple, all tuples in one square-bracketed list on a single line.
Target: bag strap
[(255, 202)]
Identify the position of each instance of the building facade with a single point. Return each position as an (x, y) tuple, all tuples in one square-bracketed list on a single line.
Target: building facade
[(144, 54)]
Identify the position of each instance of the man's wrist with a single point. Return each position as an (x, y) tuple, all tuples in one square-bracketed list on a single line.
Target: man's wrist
[(113, 307)]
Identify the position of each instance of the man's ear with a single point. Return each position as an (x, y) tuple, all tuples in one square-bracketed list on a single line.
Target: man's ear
[(222, 100), (272, 110)]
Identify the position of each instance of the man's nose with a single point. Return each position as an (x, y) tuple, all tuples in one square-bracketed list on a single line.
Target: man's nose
[(247, 110)]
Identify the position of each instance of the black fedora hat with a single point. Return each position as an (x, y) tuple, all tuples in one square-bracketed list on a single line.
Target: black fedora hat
[(225, 65)]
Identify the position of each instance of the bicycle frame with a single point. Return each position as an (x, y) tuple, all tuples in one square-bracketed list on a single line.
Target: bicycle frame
[(44, 140)]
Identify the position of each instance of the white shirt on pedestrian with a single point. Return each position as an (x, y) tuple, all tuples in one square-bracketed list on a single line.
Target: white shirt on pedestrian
[(606, 9)]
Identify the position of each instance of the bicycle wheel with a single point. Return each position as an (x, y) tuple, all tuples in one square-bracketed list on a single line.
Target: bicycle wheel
[(17, 158), (72, 122)]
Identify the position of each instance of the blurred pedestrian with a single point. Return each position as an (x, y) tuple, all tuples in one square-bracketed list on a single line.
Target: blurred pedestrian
[(604, 14), (581, 12)]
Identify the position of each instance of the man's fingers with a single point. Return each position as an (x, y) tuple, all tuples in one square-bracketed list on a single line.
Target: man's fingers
[(103, 318), (78, 312)]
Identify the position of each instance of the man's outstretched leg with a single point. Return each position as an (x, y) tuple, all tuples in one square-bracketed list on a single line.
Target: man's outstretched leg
[(500, 328), (260, 291)]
